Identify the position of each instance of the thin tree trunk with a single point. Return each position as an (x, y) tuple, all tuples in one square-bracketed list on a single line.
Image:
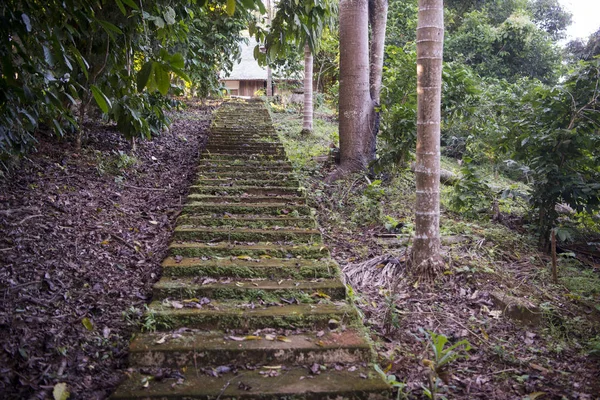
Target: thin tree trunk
[(378, 20), (354, 96), (269, 73), (307, 125), (430, 42)]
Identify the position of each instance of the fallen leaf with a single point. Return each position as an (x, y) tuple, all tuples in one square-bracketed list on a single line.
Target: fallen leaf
[(60, 391), (535, 395), (283, 339), (88, 324), (176, 305)]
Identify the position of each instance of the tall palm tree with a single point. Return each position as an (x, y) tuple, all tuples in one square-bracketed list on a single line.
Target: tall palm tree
[(430, 47)]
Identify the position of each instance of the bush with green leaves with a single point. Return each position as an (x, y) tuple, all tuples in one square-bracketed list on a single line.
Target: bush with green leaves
[(555, 138), (62, 60)]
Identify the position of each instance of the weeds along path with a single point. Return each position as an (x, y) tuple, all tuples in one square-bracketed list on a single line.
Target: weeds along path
[(250, 304)]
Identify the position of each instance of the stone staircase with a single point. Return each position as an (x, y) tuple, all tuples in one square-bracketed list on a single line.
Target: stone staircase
[(250, 304)]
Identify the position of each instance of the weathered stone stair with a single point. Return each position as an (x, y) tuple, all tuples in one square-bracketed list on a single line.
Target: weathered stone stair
[(250, 304)]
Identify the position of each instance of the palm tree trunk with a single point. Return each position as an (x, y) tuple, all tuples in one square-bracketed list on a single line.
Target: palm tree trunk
[(355, 103), (307, 125), (430, 46)]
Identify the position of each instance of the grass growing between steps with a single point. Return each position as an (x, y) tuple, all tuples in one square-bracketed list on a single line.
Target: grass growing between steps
[(487, 262)]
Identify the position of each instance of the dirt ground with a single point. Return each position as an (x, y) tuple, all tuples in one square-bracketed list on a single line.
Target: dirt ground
[(544, 355), (82, 239)]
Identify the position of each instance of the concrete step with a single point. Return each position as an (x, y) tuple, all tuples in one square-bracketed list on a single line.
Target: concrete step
[(250, 221), (232, 182), (352, 383), (270, 291), (241, 161), (188, 349), (246, 190), (236, 315), (209, 155), (240, 234), (234, 267), (273, 208), (257, 168), (246, 198), (246, 174), (257, 250)]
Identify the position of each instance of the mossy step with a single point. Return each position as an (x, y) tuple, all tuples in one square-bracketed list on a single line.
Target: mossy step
[(250, 149), (242, 234), (244, 167), (217, 348), (251, 190), (226, 182), (242, 161), (235, 315), (303, 291), (206, 155), (187, 249), (251, 221), (248, 198), (363, 383), (242, 146), (276, 268), (246, 208), (246, 174)]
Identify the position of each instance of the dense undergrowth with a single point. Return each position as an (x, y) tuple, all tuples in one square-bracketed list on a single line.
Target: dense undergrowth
[(489, 248)]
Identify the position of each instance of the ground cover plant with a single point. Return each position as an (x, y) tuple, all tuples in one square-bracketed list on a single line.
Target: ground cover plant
[(548, 348)]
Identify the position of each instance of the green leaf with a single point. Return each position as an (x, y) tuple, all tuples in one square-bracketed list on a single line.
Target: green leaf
[(83, 64), (144, 75), (121, 7), (181, 74), (104, 104), (230, 8), (131, 4), (169, 15), (159, 22), (109, 28), (162, 79), (60, 391), (177, 60)]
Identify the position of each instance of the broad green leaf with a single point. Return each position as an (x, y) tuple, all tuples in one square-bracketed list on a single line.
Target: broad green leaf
[(159, 22), (104, 104), (143, 75), (162, 79), (169, 15), (60, 391), (177, 60), (230, 8)]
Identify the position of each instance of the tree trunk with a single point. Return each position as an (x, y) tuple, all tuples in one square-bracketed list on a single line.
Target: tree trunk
[(430, 45), (378, 20), (269, 73), (307, 125), (355, 102)]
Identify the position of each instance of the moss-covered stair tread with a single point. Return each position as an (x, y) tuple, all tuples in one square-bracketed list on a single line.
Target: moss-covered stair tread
[(250, 304)]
